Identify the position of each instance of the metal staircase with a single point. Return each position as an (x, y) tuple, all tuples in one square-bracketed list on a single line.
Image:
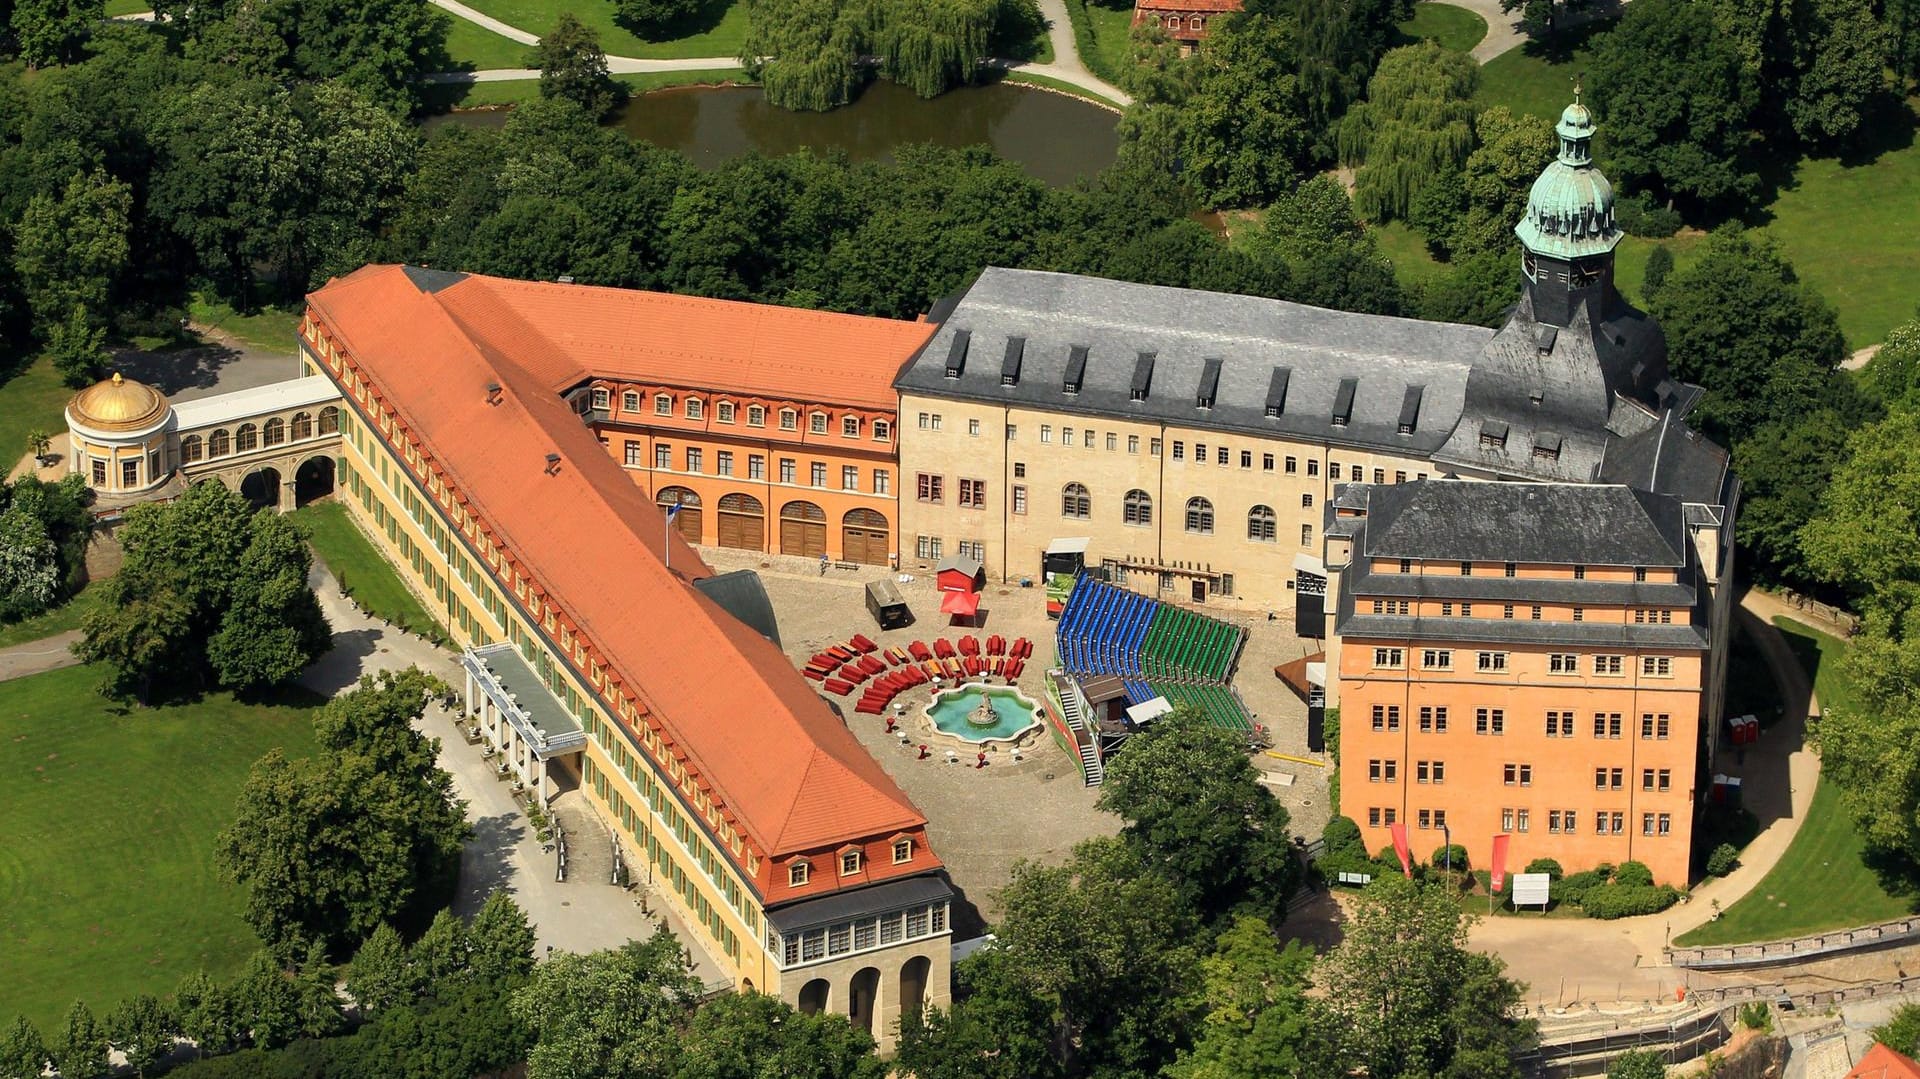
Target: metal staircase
[(1090, 767)]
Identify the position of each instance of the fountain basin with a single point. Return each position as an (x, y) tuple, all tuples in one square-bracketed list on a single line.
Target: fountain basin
[(954, 712)]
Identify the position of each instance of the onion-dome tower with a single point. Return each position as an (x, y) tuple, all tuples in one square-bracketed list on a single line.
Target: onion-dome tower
[(1568, 234)]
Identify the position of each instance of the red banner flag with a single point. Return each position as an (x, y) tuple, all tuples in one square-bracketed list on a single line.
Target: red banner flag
[(1497, 872), (1399, 833)]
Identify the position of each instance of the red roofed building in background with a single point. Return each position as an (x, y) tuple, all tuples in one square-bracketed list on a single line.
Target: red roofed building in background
[(591, 655), (1185, 21)]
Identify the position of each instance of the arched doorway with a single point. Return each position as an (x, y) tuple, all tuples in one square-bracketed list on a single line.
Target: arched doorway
[(743, 523), (803, 529), (814, 997), (913, 984), (314, 479), (864, 537), (863, 997), (261, 488), (688, 521)]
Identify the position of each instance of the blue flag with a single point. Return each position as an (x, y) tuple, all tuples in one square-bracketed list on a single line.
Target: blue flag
[(671, 510)]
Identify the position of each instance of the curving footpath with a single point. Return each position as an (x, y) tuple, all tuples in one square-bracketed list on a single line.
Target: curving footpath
[(1066, 67)]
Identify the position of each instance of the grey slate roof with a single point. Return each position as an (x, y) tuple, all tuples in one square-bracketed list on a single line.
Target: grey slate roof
[(1306, 362), (1672, 458), (873, 899), (1553, 523), (744, 596)]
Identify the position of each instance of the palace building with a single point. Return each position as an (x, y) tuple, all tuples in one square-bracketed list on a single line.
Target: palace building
[(1185, 21), (591, 648)]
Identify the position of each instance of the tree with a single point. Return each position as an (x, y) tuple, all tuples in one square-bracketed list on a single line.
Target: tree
[(1243, 138), (272, 627), (1676, 103), (747, 1035), (142, 1029), (69, 250), (29, 566), (1478, 291), (806, 53), (363, 833), (1637, 1064), (1339, 45), (380, 976), (1894, 372), (502, 940), (207, 1014), (1255, 1025), (654, 18), (1496, 181), (930, 47), (573, 67), (997, 1027), (1332, 260), (361, 158), (614, 1014), (1197, 813), (1740, 323), (442, 953), (380, 48), (81, 1052), (1823, 62), (1415, 126), (1537, 17), (77, 347), (1659, 267), (1867, 533), (22, 1054), (52, 31), (267, 1002), (1901, 1031), (318, 1002), (1401, 982), (1784, 466)]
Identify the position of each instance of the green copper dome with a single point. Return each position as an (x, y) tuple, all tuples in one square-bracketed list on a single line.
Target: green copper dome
[(1570, 210)]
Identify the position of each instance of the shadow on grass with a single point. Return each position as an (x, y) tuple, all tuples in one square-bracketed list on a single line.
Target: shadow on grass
[(1559, 46), (702, 18)]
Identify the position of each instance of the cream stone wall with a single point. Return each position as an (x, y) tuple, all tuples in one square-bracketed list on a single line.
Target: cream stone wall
[(959, 440), (847, 997)]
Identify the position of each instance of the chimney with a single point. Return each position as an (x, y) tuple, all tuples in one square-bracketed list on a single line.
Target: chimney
[(494, 391), (553, 464)]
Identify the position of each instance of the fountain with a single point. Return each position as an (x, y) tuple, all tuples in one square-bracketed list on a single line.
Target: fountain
[(981, 714)]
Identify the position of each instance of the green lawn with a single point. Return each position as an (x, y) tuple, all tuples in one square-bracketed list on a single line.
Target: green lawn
[(1454, 28), (724, 26), (1055, 84), (365, 575), (1531, 79), (127, 7), (487, 94), (1413, 264), (270, 328), (1821, 881), (110, 818), (475, 48), (1108, 25), (34, 398), (59, 620)]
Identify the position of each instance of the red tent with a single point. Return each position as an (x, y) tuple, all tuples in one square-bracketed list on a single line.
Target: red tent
[(965, 604)]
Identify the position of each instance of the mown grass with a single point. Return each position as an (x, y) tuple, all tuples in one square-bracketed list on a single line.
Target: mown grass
[(1105, 25), (32, 399), (1822, 881), (722, 26), (59, 620), (1413, 264), (1454, 28), (271, 329), (483, 95), (1029, 79), (476, 48), (361, 571), (110, 819)]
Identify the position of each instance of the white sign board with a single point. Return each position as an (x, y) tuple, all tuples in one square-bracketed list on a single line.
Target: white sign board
[(1530, 889)]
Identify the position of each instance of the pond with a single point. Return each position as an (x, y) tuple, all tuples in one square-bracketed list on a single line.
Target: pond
[(1055, 138)]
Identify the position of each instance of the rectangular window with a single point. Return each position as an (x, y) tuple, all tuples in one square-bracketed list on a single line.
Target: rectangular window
[(927, 487), (1113, 442), (1535, 613), (724, 412), (1066, 437), (788, 470), (1607, 664), (1306, 535), (817, 474), (1665, 780), (1506, 611), (1606, 724), (1380, 475), (882, 431), (1133, 443), (695, 460), (663, 456), (1153, 447), (696, 408), (1523, 821), (1291, 465), (662, 405), (1656, 666), (849, 427), (1179, 450), (1655, 727), (973, 493), (1386, 717), (849, 477), (1046, 432), (1436, 659), (973, 428), (1199, 452), (1389, 658), (1506, 820), (1559, 724), (1220, 456), (1019, 499), (1490, 721), (928, 547), (1373, 817), (1313, 466), (1433, 720), (882, 481), (723, 462), (1563, 662), (756, 467), (1665, 824), (1491, 661), (633, 454)]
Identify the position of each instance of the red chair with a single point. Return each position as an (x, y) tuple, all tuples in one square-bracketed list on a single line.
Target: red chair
[(996, 645), (1013, 669), (837, 687), (970, 645), (920, 651), (871, 665), (813, 674), (861, 643), (943, 648)]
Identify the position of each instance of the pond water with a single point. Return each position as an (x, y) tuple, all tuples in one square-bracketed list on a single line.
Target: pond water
[(953, 711), (1055, 138)]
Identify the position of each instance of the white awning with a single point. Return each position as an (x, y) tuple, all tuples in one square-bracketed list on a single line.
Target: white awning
[(1309, 564), (1317, 675), (1070, 545), (1147, 711)]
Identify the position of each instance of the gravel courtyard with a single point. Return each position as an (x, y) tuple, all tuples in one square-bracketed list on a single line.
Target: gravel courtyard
[(983, 820)]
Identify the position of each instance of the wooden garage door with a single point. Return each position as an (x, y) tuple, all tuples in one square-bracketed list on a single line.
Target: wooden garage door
[(864, 537), (803, 529), (688, 521), (743, 523)]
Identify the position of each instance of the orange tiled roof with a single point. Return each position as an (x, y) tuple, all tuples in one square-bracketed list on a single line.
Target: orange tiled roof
[(572, 331), (1884, 1063), (1202, 6), (789, 770)]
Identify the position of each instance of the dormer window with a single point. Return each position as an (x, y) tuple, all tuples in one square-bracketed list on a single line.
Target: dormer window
[(1076, 370), (1343, 401), (817, 423), (849, 862), (1209, 384), (696, 408), (797, 874), (1493, 435), (756, 416), (902, 851), (662, 404), (957, 353), (601, 398), (724, 411), (789, 419), (630, 401), (849, 427)]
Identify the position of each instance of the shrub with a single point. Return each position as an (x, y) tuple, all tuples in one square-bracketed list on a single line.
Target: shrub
[(1641, 216), (1627, 900), (1342, 835), (1724, 859), (1574, 887), (1633, 873), (1756, 1016), (1546, 865), (1455, 855), (1387, 860)]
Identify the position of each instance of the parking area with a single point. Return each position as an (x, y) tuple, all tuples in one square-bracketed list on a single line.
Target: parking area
[(983, 820)]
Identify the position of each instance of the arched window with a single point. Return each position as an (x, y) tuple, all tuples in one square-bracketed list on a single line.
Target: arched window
[(696, 408), (1195, 23), (246, 438), (1138, 509), (1173, 22), (756, 416), (789, 419), (1075, 502), (662, 404), (1200, 516), (302, 426), (329, 420), (218, 444), (1260, 524), (275, 432), (191, 449)]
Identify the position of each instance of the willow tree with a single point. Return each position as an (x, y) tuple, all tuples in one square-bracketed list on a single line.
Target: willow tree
[(806, 53), (930, 46), (1415, 125)]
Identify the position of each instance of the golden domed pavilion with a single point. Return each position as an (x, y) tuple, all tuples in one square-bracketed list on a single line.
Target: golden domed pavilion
[(118, 431)]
